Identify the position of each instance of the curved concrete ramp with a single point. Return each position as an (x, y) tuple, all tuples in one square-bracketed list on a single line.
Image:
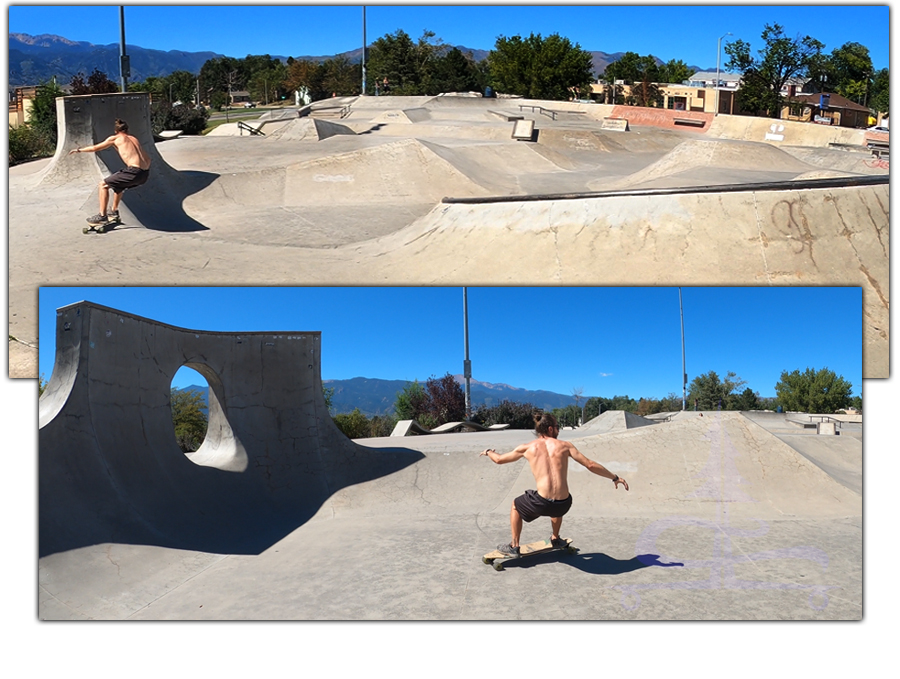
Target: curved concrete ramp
[(612, 420), (411, 427), (712, 161), (89, 119), (109, 466)]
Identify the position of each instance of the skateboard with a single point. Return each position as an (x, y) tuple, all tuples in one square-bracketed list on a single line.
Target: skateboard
[(496, 558), (102, 228)]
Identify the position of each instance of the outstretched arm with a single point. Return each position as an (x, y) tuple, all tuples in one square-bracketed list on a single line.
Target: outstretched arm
[(511, 456), (110, 141), (596, 468)]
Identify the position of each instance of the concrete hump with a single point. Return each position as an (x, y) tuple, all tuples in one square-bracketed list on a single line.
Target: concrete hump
[(403, 116), (109, 466), (719, 155), (612, 420), (403, 170), (90, 119)]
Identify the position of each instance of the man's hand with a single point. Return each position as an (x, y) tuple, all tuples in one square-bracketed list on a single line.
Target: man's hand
[(616, 481), (74, 151), (486, 452)]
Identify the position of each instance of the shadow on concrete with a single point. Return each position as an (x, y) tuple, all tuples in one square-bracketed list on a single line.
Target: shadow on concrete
[(595, 563), (157, 205), (225, 515)]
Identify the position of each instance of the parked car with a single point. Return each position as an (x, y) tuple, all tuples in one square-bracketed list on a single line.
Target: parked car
[(878, 128)]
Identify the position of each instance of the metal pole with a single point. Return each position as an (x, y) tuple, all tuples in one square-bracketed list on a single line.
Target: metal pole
[(364, 53), (124, 70), (718, 60), (683, 368), (467, 364)]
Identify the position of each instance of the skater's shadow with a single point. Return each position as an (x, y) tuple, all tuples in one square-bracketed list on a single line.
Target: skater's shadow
[(602, 564), (595, 563), (158, 204)]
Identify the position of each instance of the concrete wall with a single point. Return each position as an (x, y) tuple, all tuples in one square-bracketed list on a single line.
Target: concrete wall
[(109, 466)]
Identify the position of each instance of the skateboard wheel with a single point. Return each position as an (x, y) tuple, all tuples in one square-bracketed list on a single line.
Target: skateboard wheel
[(498, 566), (489, 562), (572, 550)]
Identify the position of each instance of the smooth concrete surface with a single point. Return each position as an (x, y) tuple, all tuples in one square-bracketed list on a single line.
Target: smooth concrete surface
[(361, 200), (278, 516)]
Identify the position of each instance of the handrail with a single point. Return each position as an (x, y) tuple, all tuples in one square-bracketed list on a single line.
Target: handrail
[(244, 126)]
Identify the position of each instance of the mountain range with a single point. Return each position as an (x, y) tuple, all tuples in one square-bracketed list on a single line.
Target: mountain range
[(34, 59), (377, 397)]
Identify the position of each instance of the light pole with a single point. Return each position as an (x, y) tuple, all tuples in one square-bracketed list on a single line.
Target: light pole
[(683, 368), (124, 66), (364, 53), (467, 364), (718, 60)]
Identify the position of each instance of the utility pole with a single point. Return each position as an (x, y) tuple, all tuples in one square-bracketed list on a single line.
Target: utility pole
[(467, 364), (124, 65), (683, 368), (718, 59), (364, 53)]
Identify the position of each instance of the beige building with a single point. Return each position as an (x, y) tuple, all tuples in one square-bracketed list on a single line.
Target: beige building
[(20, 106)]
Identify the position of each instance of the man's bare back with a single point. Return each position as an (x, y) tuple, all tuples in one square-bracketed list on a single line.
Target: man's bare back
[(130, 150), (549, 461)]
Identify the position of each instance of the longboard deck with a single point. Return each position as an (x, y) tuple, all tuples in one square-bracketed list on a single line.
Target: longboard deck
[(496, 557), (101, 228)]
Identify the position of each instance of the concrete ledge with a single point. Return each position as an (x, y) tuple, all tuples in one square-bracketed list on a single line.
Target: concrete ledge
[(523, 130), (617, 124)]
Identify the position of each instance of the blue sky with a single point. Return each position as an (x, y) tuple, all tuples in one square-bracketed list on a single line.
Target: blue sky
[(609, 341), (682, 32)]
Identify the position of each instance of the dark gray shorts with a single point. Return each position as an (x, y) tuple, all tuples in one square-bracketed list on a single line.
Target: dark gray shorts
[(531, 505), (128, 178)]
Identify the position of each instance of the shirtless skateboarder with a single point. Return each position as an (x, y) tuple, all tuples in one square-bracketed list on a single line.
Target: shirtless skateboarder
[(549, 460), (136, 172)]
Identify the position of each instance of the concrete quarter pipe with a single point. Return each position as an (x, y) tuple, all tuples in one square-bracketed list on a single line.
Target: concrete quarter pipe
[(278, 516)]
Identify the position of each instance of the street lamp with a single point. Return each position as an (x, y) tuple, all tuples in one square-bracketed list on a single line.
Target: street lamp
[(683, 368), (467, 364), (718, 60)]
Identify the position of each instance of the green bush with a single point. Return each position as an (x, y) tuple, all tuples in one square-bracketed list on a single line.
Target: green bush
[(355, 425), (27, 143), (164, 116), (516, 415)]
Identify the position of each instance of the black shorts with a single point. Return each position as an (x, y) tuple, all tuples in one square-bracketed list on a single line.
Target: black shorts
[(531, 505), (128, 178)]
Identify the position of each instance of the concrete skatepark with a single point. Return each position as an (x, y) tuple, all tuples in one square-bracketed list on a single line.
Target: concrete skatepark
[(278, 516), (435, 191)]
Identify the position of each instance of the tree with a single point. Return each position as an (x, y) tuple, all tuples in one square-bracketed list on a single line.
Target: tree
[(712, 393), (539, 68), (675, 71), (189, 418), (780, 60), (407, 65), (441, 400), (747, 400), (880, 100), (411, 403), (446, 399), (97, 83), (354, 425), (516, 415), (813, 391), (164, 116), (849, 72), (454, 72), (43, 112)]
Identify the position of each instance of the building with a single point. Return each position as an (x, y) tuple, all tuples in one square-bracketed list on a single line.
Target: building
[(826, 109)]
